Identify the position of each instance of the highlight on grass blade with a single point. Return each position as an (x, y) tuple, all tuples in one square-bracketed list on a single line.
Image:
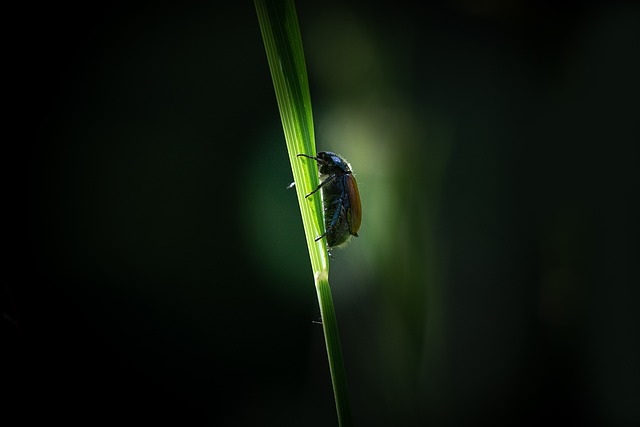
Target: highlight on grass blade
[(283, 45)]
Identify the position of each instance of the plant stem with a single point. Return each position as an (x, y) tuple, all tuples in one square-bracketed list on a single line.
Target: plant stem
[(334, 352), (283, 44)]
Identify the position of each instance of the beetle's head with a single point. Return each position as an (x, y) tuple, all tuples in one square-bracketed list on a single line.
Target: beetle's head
[(330, 163)]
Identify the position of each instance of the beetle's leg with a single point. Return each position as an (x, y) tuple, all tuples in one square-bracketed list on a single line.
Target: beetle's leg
[(334, 219), (328, 249), (322, 184), (321, 236), (336, 214)]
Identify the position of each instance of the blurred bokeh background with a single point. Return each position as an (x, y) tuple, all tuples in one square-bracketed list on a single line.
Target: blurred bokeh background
[(157, 265)]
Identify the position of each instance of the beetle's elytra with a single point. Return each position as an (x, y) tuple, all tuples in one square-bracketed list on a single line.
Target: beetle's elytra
[(340, 196)]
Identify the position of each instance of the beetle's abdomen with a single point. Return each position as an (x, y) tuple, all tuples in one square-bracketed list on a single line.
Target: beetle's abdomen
[(342, 213)]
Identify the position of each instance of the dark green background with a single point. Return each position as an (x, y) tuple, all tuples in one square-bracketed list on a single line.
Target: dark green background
[(157, 266)]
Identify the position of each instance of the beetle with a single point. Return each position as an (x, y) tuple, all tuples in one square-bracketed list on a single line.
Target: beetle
[(340, 198)]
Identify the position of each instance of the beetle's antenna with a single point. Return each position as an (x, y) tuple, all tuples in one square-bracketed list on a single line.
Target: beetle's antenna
[(309, 157)]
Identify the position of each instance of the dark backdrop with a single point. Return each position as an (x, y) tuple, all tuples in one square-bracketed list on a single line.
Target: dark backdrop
[(156, 265)]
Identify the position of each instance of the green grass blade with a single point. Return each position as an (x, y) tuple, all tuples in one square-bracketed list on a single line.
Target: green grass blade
[(283, 44), (334, 353)]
